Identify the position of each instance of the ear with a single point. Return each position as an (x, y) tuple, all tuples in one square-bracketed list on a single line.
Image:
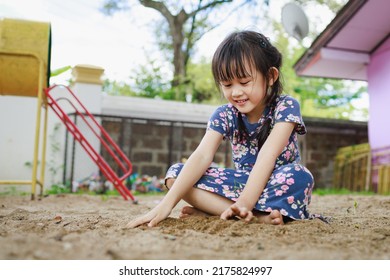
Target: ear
[(273, 75)]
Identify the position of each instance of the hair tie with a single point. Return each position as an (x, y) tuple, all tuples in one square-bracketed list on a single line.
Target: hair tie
[(263, 44)]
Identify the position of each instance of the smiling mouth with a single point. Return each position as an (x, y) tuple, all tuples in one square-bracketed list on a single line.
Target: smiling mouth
[(240, 102)]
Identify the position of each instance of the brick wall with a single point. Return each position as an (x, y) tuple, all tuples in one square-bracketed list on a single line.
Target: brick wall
[(152, 145)]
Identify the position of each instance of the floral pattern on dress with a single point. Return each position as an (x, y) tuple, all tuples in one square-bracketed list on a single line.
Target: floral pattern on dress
[(290, 186)]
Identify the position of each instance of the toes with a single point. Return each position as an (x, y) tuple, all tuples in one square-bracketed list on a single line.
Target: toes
[(276, 221), (276, 217)]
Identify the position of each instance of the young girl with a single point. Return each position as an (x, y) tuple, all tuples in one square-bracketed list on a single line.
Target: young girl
[(262, 125)]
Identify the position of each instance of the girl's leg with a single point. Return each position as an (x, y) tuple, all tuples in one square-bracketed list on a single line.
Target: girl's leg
[(288, 189), (205, 202)]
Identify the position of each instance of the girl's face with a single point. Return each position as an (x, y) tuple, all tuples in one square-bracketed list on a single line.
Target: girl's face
[(247, 94)]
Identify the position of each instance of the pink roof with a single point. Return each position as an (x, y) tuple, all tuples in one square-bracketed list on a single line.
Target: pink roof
[(343, 49)]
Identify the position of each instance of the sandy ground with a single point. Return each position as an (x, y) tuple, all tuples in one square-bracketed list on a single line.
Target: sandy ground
[(79, 227)]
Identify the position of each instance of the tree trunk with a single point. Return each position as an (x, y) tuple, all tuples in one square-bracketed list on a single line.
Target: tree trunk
[(177, 34)]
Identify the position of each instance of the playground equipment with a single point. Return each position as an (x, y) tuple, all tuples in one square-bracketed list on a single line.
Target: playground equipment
[(25, 66), (98, 131), (25, 71)]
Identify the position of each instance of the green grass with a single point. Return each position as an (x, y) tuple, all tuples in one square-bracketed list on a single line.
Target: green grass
[(58, 189), (12, 190), (340, 192)]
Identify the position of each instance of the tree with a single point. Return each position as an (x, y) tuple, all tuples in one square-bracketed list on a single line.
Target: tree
[(185, 28), (117, 88), (202, 83)]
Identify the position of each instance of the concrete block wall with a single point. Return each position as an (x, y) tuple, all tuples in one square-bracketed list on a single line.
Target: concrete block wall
[(153, 146)]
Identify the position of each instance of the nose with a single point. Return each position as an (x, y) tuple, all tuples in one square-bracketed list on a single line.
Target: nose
[(237, 91)]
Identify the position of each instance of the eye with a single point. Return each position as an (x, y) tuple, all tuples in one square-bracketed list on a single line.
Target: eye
[(226, 85), (245, 82)]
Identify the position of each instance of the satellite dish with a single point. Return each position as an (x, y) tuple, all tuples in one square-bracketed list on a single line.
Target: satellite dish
[(295, 21)]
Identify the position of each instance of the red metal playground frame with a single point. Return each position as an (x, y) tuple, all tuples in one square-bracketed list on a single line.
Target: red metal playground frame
[(99, 132)]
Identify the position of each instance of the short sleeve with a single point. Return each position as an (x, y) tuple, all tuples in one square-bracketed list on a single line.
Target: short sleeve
[(288, 110), (219, 121)]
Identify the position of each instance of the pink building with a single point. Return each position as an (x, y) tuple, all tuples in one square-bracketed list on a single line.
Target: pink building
[(356, 46)]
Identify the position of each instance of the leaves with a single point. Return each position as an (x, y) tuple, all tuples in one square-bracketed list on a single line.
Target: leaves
[(59, 71)]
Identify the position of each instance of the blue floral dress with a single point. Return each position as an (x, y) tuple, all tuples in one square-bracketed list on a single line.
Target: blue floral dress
[(290, 186)]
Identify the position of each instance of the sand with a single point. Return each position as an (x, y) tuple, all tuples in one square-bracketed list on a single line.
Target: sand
[(92, 227)]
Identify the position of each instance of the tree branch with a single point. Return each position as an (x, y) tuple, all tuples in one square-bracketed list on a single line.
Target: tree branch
[(209, 5), (223, 20), (190, 38), (160, 7)]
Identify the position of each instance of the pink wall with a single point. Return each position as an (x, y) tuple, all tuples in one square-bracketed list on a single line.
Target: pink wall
[(379, 92)]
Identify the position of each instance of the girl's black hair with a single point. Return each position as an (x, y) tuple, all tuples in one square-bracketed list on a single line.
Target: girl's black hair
[(229, 62)]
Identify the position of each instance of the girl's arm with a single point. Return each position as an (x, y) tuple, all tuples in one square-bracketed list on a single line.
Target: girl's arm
[(193, 169), (262, 170)]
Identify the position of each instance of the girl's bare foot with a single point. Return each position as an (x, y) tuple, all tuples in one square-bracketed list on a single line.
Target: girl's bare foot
[(273, 218), (188, 211)]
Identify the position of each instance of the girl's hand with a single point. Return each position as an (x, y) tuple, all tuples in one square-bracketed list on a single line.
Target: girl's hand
[(152, 218), (237, 211)]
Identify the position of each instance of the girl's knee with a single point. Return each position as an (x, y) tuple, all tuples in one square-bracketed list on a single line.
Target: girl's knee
[(169, 182)]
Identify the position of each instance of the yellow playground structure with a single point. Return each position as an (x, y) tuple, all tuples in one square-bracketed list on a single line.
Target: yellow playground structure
[(25, 71)]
